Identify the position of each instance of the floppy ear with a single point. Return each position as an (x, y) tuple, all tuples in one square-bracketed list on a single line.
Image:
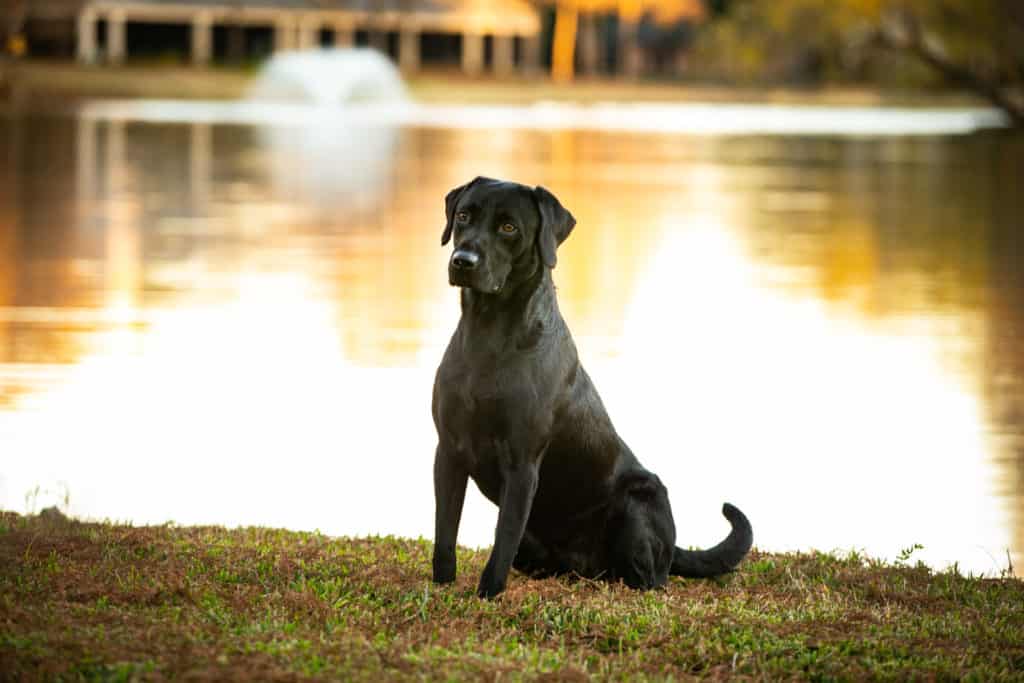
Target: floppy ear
[(555, 225), (450, 200)]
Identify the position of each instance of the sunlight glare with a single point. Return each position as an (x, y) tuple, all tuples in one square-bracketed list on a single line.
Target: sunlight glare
[(784, 393)]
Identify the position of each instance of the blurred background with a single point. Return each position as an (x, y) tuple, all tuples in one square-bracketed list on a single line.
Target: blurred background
[(796, 276)]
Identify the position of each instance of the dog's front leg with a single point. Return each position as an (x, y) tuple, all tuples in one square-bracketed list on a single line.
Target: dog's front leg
[(518, 489), (449, 494)]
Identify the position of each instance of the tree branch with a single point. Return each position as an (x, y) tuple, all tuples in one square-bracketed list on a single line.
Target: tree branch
[(904, 35)]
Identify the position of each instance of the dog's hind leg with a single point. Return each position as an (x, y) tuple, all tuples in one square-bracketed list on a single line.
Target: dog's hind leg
[(533, 559), (449, 493)]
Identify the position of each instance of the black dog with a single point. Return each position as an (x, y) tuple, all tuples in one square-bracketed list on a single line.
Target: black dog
[(515, 411)]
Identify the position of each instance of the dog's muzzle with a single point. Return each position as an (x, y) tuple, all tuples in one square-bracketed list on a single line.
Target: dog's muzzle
[(462, 268), (463, 259)]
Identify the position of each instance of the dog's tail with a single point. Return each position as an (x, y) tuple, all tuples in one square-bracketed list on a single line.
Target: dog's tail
[(721, 559)]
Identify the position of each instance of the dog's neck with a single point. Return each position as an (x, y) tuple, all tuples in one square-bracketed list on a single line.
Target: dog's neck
[(523, 310)]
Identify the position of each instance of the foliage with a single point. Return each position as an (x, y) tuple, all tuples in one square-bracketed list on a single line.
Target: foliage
[(116, 602), (976, 44)]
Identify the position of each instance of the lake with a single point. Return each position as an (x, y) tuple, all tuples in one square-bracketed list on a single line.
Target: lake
[(215, 316)]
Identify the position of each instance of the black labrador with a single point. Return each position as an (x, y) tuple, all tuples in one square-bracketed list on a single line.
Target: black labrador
[(515, 411)]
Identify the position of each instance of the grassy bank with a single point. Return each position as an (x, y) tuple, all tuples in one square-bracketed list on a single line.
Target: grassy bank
[(66, 80), (114, 602)]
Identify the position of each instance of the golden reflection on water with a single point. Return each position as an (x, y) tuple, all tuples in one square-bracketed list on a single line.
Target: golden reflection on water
[(237, 326)]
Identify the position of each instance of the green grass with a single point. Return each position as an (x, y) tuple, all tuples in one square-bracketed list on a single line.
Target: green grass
[(111, 602)]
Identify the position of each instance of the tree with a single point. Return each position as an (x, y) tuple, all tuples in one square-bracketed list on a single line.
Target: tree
[(975, 44)]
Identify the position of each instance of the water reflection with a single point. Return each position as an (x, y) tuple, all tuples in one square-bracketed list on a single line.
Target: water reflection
[(1003, 375), (218, 323)]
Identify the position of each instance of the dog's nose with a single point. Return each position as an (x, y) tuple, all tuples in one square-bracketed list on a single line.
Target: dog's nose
[(466, 260)]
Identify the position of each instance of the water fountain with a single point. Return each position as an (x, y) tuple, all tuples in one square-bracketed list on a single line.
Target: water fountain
[(330, 76), (330, 123)]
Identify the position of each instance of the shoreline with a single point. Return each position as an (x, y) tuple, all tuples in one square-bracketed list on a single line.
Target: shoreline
[(46, 81)]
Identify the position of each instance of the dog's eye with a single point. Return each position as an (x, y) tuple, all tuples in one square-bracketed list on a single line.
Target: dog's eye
[(508, 228), (462, 216)]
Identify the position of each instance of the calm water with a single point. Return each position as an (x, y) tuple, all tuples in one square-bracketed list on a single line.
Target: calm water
[(239, 324)]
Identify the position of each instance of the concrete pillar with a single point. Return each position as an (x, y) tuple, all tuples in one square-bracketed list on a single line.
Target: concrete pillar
[(589, 45), (202, 38), (344, 35), (86, 47), (472, 53), (308, 34), (284, 35), (631, 56), (409, 50), (504, 55), (531, 55), (115, 37), (634, 62)]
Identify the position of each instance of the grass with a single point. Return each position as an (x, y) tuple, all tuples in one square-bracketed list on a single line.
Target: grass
[(113, 602)]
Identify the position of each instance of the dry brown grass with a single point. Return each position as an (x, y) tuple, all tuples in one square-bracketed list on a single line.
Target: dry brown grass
[(115, 602)]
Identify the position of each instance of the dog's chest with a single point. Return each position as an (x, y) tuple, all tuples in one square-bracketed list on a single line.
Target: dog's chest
[(477, 403), (484, 402)]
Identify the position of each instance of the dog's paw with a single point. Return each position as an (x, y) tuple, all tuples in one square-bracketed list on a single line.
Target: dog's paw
[(444, 577), (490, 586), (444, 572), (488, 591)]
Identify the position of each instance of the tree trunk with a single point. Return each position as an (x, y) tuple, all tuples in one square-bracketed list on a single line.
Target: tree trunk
[(563, 51)]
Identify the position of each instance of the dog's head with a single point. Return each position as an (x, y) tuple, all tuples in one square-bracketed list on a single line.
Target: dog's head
[(501, 230)]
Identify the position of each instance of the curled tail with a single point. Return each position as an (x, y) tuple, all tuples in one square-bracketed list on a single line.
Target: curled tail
[(721, 559)]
